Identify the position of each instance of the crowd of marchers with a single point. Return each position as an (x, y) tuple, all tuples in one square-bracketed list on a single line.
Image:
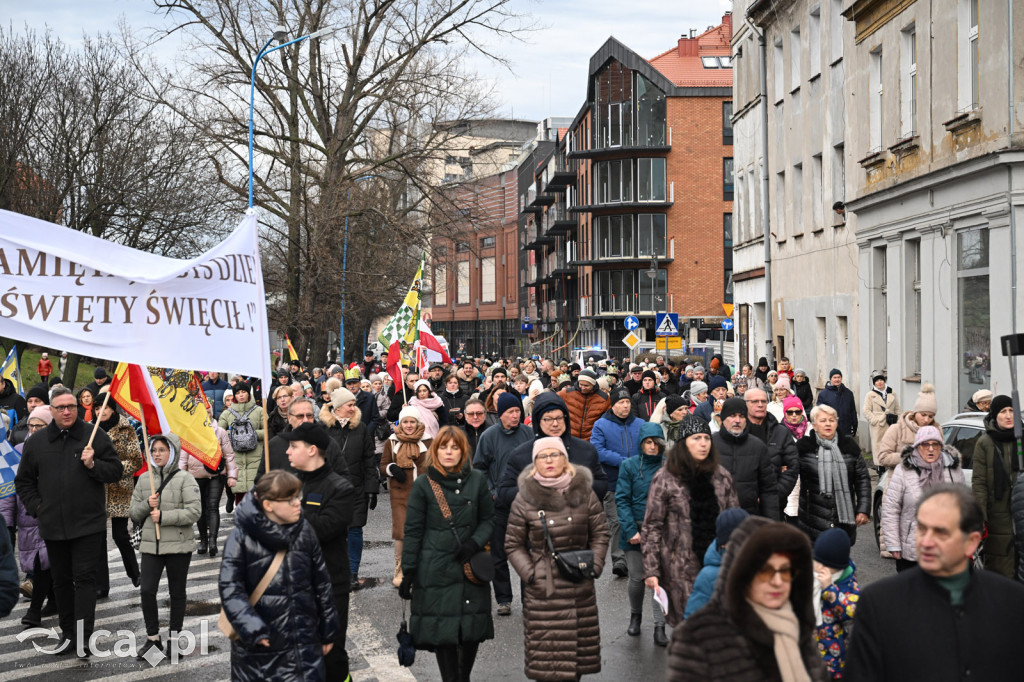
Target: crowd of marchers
[(728, 501)]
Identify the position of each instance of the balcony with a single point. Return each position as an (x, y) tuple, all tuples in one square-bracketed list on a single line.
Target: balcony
[(624, 150), (642, 262), (557, 221), (560, 176)]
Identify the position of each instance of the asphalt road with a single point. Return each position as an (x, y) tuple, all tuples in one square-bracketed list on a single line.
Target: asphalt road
[(375, 614)]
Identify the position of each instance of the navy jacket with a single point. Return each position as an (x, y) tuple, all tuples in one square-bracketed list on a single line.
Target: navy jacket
[(842, 401)]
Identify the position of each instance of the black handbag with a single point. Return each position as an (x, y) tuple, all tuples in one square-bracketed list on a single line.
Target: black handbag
[(480, 567), (575, 565)]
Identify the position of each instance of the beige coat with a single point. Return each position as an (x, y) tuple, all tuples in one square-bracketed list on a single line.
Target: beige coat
[(875, 408), (896, 437)]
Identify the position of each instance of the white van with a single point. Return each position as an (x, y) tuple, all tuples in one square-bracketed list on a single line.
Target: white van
[(583, 355)]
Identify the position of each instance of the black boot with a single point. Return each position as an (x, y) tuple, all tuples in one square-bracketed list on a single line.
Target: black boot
[(203, 546), (659, 635), (213, 549), (634, 625), (146, 646), (32, 619)]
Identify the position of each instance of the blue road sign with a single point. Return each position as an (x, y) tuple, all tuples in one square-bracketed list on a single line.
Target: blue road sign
[(632, 323), (666, 324), (727, 323)]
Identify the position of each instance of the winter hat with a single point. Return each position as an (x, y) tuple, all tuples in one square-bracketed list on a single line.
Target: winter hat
[(42, 412), (100, 373), (927, 433), (714, 363), (564, 378), (507, 401), (727, 522), (228, 394), (799, 371), (700, 367), (535, 389), (697, 387), (648, 374), (283, 372), (673, 403), (783, 382), (878, 374), (375, 377), (926, 400), (499, 370), (982, 395), (335, 369), (575, 367), (331, 385), (832, 372), (733, 406), (618, 394), (587, 376), (548, 443), (243, 386), (691, 426), (999, 403), (410, 411), (422, 382), (717, 381), (38, 392), (602, 383), (832, 548), (791, 402), (341, 396)]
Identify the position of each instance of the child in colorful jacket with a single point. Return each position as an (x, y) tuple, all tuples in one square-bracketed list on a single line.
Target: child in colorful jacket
[(837, 592)]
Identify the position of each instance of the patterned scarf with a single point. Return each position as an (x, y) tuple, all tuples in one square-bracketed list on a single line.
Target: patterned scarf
[(832, 477), (409, 447), (798, 430)]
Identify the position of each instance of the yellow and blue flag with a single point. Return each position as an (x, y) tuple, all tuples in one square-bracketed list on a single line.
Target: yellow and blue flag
[(11, 369)]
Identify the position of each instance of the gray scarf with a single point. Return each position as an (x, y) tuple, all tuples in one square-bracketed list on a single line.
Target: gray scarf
[(832, 477)]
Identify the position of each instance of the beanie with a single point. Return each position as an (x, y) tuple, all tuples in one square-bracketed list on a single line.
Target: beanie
[(791, 402), (341, 396), (243, 386), (832, 548), (692, 426), (999, 403), (38, 392), (783, 382), (834, 372), (602, 383), (673, 403), (498, 370), (927, 433), (548, 443), (648, 374), (926, 400), (717, 381), (982, 395), (100, 373), (726, 522), (410, 412), (733, 406), (697, 387), (422, 382), (617, 395), (587, 376), (41, 412), (507, 401)]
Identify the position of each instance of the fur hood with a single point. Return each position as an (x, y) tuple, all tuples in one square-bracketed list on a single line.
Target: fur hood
[(328, 418), (947, 450), (549, 498)]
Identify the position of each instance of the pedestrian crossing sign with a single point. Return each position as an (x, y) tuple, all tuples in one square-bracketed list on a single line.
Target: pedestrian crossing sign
[(666, 324)]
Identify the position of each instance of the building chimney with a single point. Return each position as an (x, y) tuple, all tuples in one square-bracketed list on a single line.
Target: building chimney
[(688, 45)]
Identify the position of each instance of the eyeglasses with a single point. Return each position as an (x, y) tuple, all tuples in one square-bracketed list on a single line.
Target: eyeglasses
[(931, 445), (475, 414), (794, 412), (553, 420), (768, 573), (63, 408), (36, 427), (304, 417), (545, 456)]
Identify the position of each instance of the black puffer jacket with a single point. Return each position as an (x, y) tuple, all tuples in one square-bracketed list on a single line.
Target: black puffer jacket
[(817, 512), (296, 613), (753, 473), (782, 451), (327, 508)]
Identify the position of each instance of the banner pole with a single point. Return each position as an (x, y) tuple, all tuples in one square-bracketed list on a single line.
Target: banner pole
[(96, 426), (149, 462), (266, 434)]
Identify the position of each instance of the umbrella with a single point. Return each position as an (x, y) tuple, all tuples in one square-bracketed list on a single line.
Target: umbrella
[(406, 648)]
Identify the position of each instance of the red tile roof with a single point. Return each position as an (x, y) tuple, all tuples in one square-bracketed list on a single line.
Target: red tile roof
[(682, 64)]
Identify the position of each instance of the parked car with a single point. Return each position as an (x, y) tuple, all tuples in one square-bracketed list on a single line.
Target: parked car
[(962, 432)]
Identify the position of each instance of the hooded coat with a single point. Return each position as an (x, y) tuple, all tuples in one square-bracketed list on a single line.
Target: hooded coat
[(296, 612), (581, 454), (995, 464), (179, 506), (635, 476), (899, 506), (563, 637), (667, 535), (248, 462), (10, 399), (30, 543), (356, 447), (754, 476), (615, 440), (447, 608), (818, 512), (726, 641)]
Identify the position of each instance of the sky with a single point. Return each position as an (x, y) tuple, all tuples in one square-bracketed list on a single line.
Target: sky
[(549, 68)]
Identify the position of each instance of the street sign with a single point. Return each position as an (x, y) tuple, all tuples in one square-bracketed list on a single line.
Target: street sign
[(727, 323), (631, 323), (527, 328), (674, 342), (631, 340), (727, 307), (666, 324)]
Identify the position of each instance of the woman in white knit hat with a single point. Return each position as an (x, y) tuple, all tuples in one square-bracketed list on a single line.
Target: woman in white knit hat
[(404, 458)]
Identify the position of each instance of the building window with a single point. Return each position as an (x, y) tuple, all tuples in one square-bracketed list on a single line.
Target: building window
[(908, 82), (614, 236), (653, 292), (838, 175), (836, 30), (794, 59), (780, 206), (615, 291), (728, 179), (463, 282), (440, 285), (817, 200), (913, 317), (487, 287), (973, 313), (726, 122), (651, 235), (461, 247), (798, 199), (727, 254), (875, 90), (967, 55), (814, 42), (614, 106), (778, 71), (614, 181), (650, 113), (651, 179), (487, 242)]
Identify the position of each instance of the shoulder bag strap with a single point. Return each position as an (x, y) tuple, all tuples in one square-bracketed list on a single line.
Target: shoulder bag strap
[(167, 480), (446, 511), (275, 565), (547, 533)]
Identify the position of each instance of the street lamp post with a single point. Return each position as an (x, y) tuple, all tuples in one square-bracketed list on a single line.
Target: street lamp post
[(652, 272)]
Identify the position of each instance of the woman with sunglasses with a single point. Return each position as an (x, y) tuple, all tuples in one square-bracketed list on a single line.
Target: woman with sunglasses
[(925, 463), (760, 623)]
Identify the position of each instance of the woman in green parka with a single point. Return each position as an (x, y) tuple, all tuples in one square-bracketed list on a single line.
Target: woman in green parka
[(450, 614), (995, 471)]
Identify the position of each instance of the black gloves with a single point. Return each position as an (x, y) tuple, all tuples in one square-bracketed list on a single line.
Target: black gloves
[(405, 589), (466, 551), (371, 501), (397, 473)]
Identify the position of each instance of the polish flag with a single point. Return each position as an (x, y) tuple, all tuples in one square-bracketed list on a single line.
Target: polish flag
[(394, 367), (428, 340), (143, 393)]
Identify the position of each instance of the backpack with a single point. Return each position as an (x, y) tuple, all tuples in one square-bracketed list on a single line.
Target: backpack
[(242, 433)]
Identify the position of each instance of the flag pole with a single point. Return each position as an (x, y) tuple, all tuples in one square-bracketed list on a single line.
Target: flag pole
[(96, 426), (149, 462)]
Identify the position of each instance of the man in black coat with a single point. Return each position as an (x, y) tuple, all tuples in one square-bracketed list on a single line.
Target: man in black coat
[(746, 458), (10, 399), (299, 411), (550, 418), (841, 399), (476, 421), (366, 402), (941, 620), (327, 501), (781, 447), (62, 483), (633, 382), (647, 398)]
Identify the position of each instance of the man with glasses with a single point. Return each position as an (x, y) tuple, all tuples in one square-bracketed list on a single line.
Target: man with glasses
[(61, 482), (476, 418), (781, 445), (746, 458), (301, 411)]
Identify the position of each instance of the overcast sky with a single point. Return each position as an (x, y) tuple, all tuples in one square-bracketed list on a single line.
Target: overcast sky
[(549, 76)]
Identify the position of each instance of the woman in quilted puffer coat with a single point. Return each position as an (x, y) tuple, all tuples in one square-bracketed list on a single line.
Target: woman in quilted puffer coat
[(450, 614), (119, 494), (294, 624), (563, 637)]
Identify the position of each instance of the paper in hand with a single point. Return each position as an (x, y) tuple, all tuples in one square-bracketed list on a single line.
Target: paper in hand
[(661, 597)]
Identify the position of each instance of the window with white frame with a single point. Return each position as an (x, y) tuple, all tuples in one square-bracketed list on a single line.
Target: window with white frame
[(835, 22), (778, 71), (487, 284), (795, 55), (463, 283), (838, 174), (814, 42), (908, 82), (875, 91), (651, 180), (967, 55), (440, 285)]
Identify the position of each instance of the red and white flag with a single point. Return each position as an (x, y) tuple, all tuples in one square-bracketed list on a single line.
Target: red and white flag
[(143, 393), (428, 341)]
